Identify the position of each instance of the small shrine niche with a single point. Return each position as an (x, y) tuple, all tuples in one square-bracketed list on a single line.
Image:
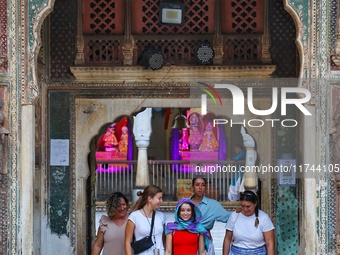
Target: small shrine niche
[(114, 145), (202, 141)]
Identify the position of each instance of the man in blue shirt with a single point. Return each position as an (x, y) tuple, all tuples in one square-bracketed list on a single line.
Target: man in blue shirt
[(240, 152), (211, 209)]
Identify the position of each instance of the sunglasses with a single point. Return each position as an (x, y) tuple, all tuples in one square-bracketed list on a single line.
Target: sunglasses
[(248, 194)]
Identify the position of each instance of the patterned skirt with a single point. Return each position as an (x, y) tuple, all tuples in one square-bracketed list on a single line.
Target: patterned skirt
[(245, 251)]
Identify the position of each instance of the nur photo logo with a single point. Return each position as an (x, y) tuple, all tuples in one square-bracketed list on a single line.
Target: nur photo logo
[(287, 96)]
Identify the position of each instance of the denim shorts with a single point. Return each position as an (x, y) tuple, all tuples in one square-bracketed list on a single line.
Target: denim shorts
[(246, 251)]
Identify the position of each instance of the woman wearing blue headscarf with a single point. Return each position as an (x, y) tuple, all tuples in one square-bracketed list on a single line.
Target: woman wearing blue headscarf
[(186, 235)]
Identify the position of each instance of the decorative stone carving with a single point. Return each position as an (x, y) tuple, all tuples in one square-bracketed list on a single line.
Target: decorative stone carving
[(218, 49), (266, 58), (126, 74), (80, 60), (128, 49)]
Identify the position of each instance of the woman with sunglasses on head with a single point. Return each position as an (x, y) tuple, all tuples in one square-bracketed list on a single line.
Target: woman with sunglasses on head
[(249, 232)]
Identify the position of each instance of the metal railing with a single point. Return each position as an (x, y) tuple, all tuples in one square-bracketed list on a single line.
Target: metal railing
[(172, 176)]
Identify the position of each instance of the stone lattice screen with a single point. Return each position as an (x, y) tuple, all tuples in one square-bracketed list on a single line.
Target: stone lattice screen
[(243, 21), (180, 52), (242, 16), (283, 48), (239, 50), (242, 25), (103, 51), (106, 49), (63, 24), (102, 17)]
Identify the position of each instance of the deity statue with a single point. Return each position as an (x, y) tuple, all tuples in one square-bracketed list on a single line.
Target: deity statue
[(109, 138), (209, 142), (183, 142), (124, 140), (195, 137)]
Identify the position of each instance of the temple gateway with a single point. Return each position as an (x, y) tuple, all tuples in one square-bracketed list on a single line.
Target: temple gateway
[(98, 96)]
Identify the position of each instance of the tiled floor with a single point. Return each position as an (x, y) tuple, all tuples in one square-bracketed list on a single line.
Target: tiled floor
[(217, 232)]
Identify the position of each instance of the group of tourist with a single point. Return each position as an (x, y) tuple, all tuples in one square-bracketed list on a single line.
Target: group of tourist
[(248, 229)]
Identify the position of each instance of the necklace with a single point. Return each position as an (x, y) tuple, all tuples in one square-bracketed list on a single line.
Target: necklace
[(145, 214), (154, 234)]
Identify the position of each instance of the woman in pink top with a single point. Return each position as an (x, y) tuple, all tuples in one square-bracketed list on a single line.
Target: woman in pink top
[(110, 235)]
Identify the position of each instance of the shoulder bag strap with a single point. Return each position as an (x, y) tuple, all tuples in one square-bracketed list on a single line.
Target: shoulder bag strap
[(152, 222)]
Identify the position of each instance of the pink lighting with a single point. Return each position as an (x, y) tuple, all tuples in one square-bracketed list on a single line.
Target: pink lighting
[(115, 146)]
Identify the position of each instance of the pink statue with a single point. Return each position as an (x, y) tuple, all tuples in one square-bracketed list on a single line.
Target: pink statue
[(209, 140), (195, 137), (110, 140), (183, 142), (124, 140)]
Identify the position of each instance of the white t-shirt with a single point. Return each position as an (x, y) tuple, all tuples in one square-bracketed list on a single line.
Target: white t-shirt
[(245, 234), (142, 229)]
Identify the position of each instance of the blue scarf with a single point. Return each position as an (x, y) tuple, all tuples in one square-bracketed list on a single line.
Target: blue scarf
[(191, 225)]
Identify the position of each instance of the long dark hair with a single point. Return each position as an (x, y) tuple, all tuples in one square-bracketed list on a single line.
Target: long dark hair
[(250, 196), (149, 191)]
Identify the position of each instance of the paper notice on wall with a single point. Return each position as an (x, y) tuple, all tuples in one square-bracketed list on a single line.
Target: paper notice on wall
[(60, 152), (287, 171)]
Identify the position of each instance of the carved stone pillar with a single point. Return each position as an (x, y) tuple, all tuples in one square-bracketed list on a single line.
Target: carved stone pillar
[(218, 39), (80, 60), (218, 49), (128, 48), (129, 44), (27, 177), (266, 58), (250, 177), (142, 130)]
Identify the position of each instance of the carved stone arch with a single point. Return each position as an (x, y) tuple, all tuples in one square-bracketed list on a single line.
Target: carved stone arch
[(32, 93), (299, 34)]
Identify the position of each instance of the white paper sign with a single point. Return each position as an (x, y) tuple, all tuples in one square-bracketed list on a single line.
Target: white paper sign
[(287, 173), (60, 152)]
